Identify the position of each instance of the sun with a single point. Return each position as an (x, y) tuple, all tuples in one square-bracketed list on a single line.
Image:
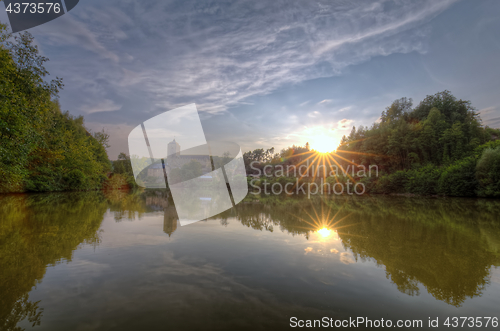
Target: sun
[(323, 144), (323, 140)]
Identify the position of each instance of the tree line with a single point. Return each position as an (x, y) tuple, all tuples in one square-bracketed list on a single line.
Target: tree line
[(439, 147), (41, 147)]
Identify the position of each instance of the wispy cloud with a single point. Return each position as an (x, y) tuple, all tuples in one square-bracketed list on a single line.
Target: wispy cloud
[(103, 106), (493, 122), (325, 102), (486, 110), (218, 55), (154, 57), (68, 31)]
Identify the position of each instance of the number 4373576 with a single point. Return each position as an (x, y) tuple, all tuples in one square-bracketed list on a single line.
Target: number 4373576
[(471, 322), (32, 8)]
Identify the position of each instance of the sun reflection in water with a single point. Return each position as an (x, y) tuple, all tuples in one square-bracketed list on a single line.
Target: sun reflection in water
[(323, 226), (324, 232)]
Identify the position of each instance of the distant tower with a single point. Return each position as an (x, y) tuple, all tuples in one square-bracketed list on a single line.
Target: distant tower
[(173, 148)]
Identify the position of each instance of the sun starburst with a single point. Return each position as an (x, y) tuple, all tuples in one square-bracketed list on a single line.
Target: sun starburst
[(324, 232)]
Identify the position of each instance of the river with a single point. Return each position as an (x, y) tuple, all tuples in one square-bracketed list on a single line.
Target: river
[(119, 261)]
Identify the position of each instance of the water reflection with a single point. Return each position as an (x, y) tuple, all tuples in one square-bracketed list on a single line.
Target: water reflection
[(448, 246), (32, 237), (170, 220), (444, 247), (325, 232)]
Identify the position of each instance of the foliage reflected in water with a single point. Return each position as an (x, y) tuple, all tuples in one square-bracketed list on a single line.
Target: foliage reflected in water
[(37, 231), (132, 205), (446, 245)]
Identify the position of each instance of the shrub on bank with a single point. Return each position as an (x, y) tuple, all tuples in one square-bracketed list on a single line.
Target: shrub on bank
[(459, 179), (488, 173), (423, 181), (393, 183)]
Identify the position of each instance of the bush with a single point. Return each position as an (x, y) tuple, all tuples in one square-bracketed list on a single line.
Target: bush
[(393, 183), (488, 173), (417, 181), (116, 182), (285, 180), (369, 183), (43, 179), (76, 180), (459, 179), (423, 180), (489, 145)]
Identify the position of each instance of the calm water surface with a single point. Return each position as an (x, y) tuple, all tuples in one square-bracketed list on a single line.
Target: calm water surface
[(118, 261)]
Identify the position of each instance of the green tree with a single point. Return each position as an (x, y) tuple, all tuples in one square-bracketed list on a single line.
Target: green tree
[(42, 148), (488, 173)]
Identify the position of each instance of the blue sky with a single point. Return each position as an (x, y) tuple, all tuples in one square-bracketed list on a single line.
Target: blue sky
[(269, 73)]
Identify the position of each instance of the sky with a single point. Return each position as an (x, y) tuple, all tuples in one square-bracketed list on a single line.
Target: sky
[(269, 73)]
